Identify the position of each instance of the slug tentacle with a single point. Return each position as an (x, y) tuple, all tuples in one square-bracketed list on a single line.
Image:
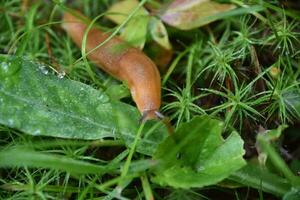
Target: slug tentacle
[(122, 61)]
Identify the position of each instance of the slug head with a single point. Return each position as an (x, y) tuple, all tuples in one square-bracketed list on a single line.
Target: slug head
[(151, 114), (143, 79)]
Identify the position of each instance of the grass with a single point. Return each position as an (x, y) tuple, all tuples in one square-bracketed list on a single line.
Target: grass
[(243, 70)]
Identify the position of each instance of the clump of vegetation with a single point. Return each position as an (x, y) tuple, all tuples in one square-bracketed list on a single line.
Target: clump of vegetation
[(230, 89)]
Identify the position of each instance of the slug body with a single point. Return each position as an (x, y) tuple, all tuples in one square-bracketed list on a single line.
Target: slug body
[(123, 62)]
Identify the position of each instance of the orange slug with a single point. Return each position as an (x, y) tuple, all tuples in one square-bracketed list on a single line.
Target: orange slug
[(123, 62)]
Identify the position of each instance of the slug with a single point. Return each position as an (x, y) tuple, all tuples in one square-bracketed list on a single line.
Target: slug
[(125, 63)]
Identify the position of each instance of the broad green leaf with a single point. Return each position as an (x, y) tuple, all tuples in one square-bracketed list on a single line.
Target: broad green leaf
[(117, 91), (258, 177), (159, 33), (190, 14), (120, 10), (153, 132), (197, 155), (20, 157), (37, 102), (135, 30)]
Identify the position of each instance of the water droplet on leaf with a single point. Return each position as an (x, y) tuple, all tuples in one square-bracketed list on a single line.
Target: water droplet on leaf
[(61, 74), (200, 168), (9, 68), (103, 98), (36, 132), (43, 69), (10, 122)]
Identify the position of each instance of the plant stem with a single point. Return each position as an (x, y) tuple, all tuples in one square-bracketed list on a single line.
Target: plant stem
[(189, 70), (277, 161)]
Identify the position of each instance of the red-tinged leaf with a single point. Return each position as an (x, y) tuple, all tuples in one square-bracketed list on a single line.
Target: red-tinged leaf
[(189, 14)]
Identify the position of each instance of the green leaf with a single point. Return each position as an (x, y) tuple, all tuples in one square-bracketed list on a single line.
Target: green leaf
[(21, 157), (159, 33), (117, 91), (37, 102), (135, 31), (197, 155), (258, 177), (119, 11), (192, 14), (153, 132), (276, 159), (294, 194)]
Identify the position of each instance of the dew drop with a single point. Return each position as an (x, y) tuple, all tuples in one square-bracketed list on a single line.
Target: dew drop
[(61, 74), (10, 122), (9, 68), (119, 190), (4, 66), (43, 69), (200, 168), (103, 98), (36, 132)]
